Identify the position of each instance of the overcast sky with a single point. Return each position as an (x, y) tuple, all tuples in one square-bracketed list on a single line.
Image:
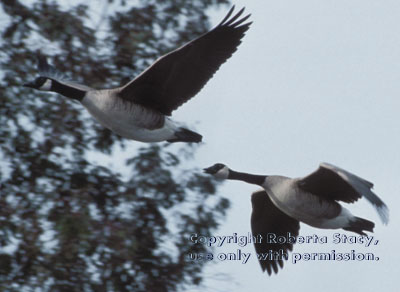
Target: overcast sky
[(312, 81)]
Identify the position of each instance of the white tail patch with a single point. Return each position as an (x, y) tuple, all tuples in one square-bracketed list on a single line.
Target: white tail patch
[(340, 221)]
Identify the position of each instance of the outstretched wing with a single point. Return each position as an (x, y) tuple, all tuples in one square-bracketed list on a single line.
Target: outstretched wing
[(266, 219), (179, 75), (333, 183)]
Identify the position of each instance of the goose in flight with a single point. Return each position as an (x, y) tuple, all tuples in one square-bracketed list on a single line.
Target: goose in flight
[(140, 110), (284, 202)]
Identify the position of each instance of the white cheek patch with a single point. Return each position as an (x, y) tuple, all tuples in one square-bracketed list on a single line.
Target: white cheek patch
[(223, 173), (46, 86)]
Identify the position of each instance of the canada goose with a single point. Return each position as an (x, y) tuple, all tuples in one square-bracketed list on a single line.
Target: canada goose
[(284, 202), (139, 109)]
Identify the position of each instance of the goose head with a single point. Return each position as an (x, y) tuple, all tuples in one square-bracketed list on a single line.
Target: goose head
[(221, 171), (218, 170), (67, 89), (40, 83)]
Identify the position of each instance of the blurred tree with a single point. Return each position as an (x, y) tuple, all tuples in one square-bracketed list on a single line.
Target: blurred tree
[(67, 224)]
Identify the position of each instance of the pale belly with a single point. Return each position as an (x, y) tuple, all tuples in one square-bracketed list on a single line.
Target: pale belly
[(130, 130), (130, 122), (140, 134)]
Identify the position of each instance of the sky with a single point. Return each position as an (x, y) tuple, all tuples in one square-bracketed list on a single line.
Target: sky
[(313, 81)]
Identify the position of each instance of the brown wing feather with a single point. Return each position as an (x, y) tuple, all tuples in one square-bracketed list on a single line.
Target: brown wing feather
[(267, 218), (179, 75), (328, 185)]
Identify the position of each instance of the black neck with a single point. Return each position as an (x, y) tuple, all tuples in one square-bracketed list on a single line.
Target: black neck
[(246, 177), (67, 91)]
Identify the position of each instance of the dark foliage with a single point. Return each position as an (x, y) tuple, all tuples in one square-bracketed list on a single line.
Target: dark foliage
[(67, 223)]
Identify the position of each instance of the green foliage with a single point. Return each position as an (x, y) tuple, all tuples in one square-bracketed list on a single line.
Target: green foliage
[(67, 224)]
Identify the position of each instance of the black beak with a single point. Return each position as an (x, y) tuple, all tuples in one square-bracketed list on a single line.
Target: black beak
[(207, 170)]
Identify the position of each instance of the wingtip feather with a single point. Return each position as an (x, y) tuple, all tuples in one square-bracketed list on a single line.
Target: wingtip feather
[(240, 21), (233, 19), (227, 21), (383, 212), (227, 16)]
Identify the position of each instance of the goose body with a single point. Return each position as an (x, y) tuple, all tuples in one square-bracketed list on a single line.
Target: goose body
[(145, 125), (304, 206), (140, 110), (284, 202)]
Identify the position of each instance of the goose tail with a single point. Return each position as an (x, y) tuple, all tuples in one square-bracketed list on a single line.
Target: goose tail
[(185, 135), (359, 225)]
